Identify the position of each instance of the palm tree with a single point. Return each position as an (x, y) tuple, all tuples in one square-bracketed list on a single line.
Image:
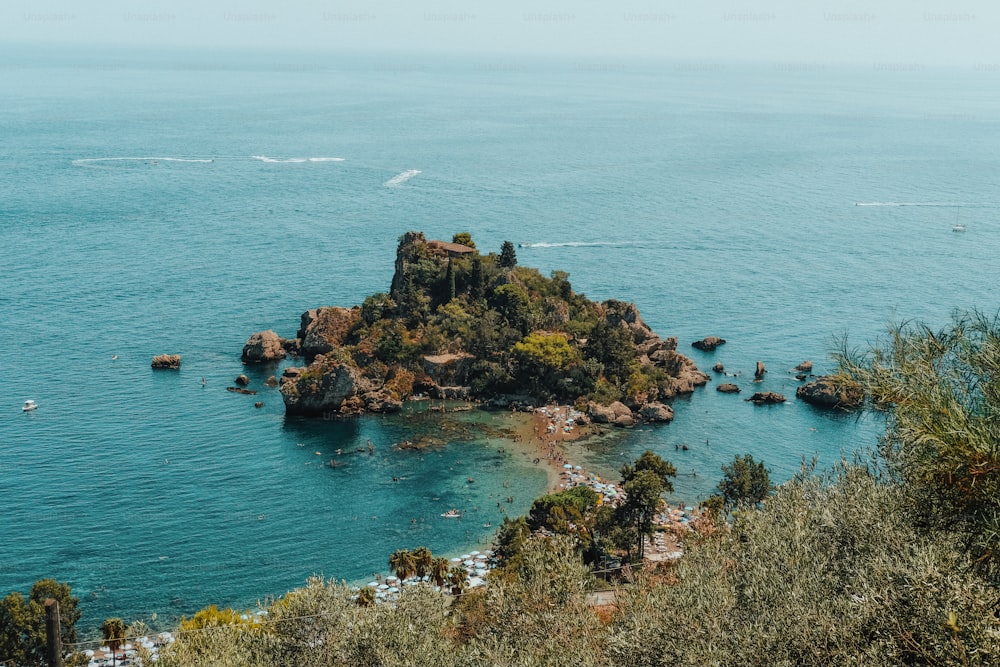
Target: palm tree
[(113, 630), (439, 571), (457, 578), (402, 563), (422, 560)]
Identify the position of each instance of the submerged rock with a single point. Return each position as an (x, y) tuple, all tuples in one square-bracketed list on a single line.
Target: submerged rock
[(708, 344), (166, 361), (766, 398)]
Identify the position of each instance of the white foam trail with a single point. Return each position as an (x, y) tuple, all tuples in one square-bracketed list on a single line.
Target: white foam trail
[(401, 178), (82, 162), (264, 158), (572, 244), (926, 203)]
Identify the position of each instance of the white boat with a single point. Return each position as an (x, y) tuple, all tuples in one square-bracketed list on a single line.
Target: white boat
[(958, 228), (28, 406), (452, 514)]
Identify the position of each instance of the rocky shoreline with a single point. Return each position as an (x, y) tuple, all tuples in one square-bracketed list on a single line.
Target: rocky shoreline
[(371, 358)]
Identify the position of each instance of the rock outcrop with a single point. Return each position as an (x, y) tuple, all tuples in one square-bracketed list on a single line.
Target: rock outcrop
[(448, 370), (166, 361), (718, 367), (324, 329), (805, 366), (617, 413), (684, 374), (330, 388), (708, 344), (242, 380), (766, 398), (728, 388), (263, 347), (621, 313), (831, 391), (656, 412), (758, 374)]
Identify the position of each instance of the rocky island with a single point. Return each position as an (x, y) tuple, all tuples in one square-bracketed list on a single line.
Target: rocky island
[(460, 324)]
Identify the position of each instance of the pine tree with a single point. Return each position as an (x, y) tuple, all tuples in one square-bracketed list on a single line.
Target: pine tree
[(508, 258)]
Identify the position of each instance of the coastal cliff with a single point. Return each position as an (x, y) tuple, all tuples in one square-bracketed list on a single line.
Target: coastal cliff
[(460, 324)]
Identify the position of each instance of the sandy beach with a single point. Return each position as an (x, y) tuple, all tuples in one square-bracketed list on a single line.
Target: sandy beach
[(544, 434)]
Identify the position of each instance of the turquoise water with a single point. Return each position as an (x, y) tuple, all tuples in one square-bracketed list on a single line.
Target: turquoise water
[(722, 202)]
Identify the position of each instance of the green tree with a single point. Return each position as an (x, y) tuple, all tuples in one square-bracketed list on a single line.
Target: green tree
[(113, 631), (22, 638), (22, 621), (744, 482), (541, 361), (563, 286), (439, 571), (940, 392), (508, 257), (569, 512), (612, 346), (514, 305), (477, 280), (376, 307), (511, 538), (464, 238), (449, 279), (644, 484), (402, 563), (653, 462), (422, 561), (458, 579), (642, 501)]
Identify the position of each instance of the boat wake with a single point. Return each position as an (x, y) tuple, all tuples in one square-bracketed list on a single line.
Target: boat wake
[(928, 203), (90, 161), (574, 244), (274, 160), (399, 179)]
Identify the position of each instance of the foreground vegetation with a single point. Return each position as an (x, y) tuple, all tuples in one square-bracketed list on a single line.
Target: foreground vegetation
[(826, 573), (887, 562)]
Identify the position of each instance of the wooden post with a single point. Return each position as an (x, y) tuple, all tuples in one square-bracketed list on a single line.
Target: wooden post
[(53, 636)]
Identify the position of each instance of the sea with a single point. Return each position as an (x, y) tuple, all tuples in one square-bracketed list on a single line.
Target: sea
[(175, 202)]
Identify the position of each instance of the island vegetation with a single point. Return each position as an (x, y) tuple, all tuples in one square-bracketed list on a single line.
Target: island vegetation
[(460, 324)]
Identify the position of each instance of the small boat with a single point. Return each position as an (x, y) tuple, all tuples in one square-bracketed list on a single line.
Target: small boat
[(28, 406), (452, 514), (958, 228)]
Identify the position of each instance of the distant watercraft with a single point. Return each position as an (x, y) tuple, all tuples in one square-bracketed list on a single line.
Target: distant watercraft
[(28, 406), (959, 227), (452, 514)]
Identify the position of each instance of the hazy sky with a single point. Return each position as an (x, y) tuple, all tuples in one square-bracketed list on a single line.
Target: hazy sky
[(891, 32)]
